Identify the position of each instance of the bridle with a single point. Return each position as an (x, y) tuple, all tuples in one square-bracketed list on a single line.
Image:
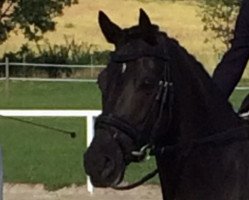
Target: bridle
[(163, 101)]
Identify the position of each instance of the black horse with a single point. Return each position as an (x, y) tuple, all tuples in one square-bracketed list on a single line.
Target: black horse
[(156, 95)]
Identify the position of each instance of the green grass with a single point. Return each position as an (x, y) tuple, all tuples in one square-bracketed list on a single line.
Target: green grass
[(237, 97), (37, 155), (49, 95)]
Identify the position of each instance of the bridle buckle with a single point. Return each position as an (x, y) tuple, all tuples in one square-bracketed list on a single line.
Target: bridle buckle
[(143, 153)]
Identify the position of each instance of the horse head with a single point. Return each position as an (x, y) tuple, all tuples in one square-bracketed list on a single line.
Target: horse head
[(135, 89)]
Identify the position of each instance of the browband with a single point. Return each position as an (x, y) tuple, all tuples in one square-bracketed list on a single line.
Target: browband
[(121, 57)]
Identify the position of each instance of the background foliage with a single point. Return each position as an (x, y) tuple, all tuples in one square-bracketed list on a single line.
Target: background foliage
[(33, 17), (219, 16), (70, 52)]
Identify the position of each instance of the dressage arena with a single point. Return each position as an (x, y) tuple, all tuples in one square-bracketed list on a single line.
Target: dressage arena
[(37, 192)]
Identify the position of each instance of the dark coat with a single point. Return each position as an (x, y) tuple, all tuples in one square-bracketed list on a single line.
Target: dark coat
[(230, 69)]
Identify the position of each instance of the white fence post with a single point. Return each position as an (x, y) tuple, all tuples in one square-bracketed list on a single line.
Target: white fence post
[(90, 134), (1, 174)]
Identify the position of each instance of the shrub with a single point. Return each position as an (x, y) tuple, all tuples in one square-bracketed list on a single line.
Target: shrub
[(68, 53)]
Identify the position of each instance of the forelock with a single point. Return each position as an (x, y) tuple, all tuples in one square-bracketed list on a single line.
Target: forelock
[(136, 32)]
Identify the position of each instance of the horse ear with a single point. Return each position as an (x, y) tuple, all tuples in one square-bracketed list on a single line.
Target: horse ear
[(144, 20), (111, 31)]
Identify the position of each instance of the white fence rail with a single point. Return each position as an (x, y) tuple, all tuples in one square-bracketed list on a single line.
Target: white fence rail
[(89, 114), (7, 65)]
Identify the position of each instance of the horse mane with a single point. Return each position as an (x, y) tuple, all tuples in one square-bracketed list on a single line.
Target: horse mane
[(212, 111), (199, 73)]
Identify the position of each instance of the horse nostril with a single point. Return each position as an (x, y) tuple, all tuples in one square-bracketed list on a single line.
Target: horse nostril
[(108, 160), (109, 166)]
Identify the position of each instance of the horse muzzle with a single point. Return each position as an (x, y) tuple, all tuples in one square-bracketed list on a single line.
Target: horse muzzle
[(104, 161)]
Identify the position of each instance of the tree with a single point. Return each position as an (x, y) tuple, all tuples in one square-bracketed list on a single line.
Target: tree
[(32, 17), (219, 17)]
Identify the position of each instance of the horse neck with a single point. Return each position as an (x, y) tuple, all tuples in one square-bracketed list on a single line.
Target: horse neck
[(200, 108)]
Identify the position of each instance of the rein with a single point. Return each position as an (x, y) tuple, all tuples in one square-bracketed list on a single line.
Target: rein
[(138, 183)]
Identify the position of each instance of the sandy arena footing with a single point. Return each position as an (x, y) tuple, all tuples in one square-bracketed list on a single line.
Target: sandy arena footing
[(37, 192)]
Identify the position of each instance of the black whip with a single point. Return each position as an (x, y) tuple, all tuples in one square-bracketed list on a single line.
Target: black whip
[(72, 134)]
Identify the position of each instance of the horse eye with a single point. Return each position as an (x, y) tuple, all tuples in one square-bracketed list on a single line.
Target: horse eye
[(147, 83)]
